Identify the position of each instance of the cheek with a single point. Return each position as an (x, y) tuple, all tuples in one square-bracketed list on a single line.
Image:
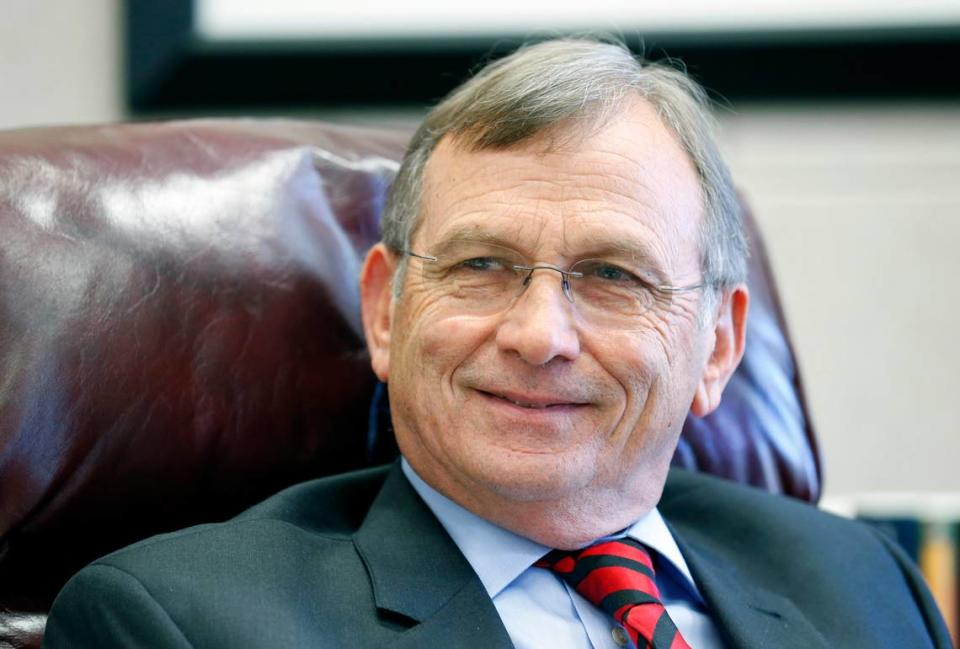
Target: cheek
[(653, 374), (444, 339), (435, 346), (638, 361)]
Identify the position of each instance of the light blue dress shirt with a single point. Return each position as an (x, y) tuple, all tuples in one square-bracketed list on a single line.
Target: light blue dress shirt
[(538, 609)]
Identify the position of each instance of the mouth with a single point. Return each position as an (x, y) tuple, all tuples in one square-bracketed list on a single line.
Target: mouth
[(532, 402)]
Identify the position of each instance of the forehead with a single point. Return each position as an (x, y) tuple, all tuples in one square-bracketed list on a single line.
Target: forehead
[(628, 182)]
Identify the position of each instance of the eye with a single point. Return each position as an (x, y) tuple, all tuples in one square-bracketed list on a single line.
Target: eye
[(482, 264), (611, 273), (607, 272)]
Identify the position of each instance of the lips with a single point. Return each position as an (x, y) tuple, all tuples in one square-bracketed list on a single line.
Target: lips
[(532, 401)]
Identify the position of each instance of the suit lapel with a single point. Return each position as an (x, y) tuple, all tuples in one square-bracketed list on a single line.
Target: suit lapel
[(419, 573), (748, 617)]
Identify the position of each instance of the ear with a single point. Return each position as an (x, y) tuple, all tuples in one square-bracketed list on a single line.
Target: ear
[(376, 302), (730, 333)]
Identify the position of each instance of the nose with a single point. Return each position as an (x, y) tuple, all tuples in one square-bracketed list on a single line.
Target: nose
[(540, 326)]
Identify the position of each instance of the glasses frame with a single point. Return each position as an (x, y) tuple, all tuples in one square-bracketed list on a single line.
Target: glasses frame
[(666, 290)]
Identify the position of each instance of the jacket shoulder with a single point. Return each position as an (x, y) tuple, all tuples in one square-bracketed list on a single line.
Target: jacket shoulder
[(284, 573), (720, 510), (325, 510), (845, 576), (334, 505)]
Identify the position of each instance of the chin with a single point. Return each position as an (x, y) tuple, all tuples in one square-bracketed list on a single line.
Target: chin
[(526, 477)]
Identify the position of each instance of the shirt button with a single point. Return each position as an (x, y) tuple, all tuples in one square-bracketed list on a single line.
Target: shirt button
[(620, 636)]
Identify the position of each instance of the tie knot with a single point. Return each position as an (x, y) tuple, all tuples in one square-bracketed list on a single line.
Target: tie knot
[(606, 573), (617, 576)]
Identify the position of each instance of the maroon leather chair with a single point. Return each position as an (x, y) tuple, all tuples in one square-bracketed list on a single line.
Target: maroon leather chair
[(180, 337)]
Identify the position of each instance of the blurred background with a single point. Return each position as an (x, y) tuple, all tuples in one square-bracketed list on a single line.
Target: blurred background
[(841, 122)]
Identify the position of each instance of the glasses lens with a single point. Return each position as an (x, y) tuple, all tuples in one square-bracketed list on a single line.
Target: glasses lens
[(609, 294), (484, 278), (479, 276)]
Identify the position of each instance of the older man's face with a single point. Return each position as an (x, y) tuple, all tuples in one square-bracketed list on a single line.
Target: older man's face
[(534, 410)]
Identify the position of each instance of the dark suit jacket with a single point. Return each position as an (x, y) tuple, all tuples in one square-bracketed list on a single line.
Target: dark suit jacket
[(358, 560)]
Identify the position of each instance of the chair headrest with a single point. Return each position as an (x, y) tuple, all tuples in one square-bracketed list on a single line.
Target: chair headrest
[(180, 335)]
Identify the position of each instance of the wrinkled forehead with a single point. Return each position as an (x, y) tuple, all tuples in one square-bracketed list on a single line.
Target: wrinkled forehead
[(629, 182)]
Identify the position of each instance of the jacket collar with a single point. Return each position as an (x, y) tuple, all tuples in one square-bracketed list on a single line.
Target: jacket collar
[(748, 616), (417, 572)]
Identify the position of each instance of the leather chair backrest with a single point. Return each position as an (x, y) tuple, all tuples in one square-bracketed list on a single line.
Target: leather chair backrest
[(180, 336)]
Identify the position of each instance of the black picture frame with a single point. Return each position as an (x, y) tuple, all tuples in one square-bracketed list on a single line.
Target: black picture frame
[(171, 69)]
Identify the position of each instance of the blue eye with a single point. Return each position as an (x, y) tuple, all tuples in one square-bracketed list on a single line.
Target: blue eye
[(607, 275), (611, 273), (482, 263)]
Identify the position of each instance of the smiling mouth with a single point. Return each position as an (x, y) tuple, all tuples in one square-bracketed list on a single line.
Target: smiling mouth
[(532, 405)]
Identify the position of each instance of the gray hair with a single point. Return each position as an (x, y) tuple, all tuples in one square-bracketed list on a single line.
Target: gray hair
[(538, 86)]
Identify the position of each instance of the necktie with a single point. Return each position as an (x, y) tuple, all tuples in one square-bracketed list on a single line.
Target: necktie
[(617, 576)]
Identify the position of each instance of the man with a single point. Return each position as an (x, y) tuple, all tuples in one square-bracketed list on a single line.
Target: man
[(560, 282)]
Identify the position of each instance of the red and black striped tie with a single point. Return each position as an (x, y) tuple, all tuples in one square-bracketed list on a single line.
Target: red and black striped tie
[(617, 576)]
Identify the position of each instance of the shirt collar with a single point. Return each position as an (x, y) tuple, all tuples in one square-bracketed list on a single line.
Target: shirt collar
[(499, 556)]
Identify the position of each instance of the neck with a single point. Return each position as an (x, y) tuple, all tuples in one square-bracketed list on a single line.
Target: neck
[(564, 523)]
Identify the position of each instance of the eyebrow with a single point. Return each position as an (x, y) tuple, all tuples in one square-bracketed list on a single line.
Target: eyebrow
[(637, 253), (475, 234), (602, 249)]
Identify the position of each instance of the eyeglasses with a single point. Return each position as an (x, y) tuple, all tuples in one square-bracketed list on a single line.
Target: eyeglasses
[(484, 278)]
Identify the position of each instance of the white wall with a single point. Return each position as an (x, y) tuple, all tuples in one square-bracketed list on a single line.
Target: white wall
[(861, 208), (59, 62)]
